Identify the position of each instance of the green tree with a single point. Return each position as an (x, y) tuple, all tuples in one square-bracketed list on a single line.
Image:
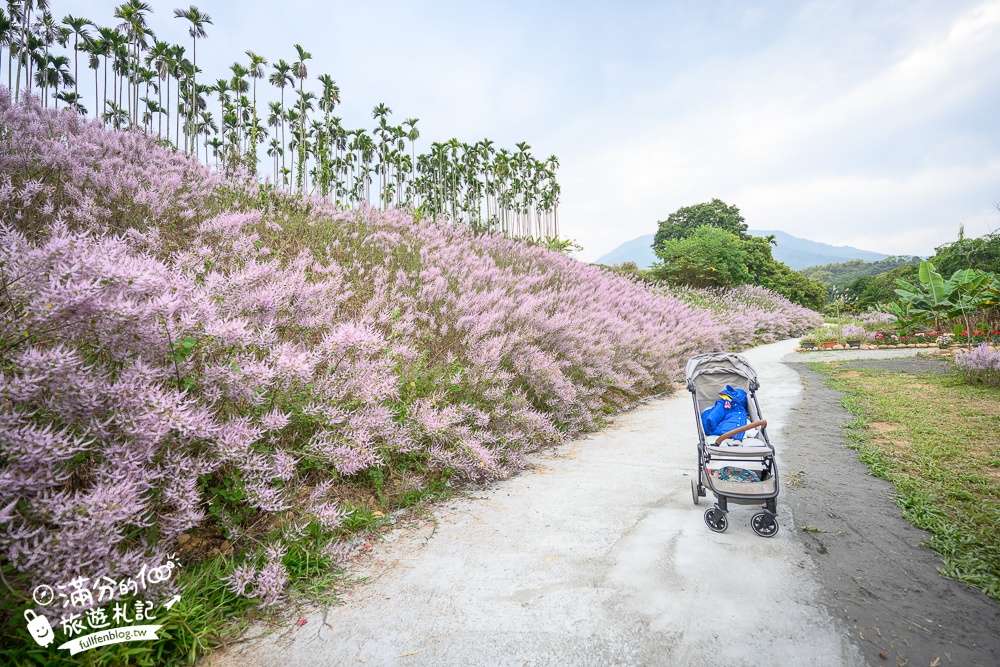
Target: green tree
[(719, 253), (961, 296), (707, 257), (842, 274), (281, 78), (796, 287), (768, 272), (300, 71), (78, 29), (685, 220), (980, 253), (198, 20)]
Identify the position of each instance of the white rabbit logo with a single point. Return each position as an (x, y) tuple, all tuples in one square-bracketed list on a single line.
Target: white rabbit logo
[(38, 626)]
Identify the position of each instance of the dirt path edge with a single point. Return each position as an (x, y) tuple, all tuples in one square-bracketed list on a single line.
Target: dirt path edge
[(882, 585)]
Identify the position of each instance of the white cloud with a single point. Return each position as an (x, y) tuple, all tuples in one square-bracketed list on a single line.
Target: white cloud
[(882, 157)]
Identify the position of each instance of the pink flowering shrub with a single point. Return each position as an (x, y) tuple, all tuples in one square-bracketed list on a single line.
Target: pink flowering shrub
[(852, 331), (874, 320), (980, 365), (61, 166), (152, 381), (749, 315)]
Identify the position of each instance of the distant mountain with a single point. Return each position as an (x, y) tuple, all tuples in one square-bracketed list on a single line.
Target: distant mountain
[(638, 250), (801, 253), (796, 252)]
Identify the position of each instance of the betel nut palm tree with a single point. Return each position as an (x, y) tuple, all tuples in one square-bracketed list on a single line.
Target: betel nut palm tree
[(198, 20)]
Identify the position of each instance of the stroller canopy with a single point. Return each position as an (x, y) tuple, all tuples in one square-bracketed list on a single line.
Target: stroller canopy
[(708, 373)]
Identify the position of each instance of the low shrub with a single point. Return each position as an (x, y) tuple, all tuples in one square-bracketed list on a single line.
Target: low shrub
[(980, 365)]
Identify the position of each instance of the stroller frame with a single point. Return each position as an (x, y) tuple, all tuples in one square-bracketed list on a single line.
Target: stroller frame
[(706, 374)]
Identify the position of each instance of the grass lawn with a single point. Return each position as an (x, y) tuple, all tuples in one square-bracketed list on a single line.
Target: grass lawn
[(937, 440)]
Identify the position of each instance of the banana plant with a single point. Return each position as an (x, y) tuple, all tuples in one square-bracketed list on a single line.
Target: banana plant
[(931, 298), (967, 291), (906, 320), (972, 291)]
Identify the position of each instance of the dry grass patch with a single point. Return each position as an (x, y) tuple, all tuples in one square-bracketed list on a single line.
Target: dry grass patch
[(883, 428)]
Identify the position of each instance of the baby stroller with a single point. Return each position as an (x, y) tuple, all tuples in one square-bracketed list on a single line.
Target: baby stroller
[(738, 471)]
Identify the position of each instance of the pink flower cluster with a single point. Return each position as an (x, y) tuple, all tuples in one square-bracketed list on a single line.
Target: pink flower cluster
[(135, 375), (61, 166), (750, 315), (980, 365)]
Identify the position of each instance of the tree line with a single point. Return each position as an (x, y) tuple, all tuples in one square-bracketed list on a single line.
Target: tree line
[(840, 275), (140, 81), (979, 254)]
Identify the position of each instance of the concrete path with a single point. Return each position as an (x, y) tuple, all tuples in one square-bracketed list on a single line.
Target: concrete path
[(595, 557)]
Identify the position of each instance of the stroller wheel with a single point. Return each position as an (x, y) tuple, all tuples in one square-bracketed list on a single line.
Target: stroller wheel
[(716, 520), (764, 525), (694, 491)]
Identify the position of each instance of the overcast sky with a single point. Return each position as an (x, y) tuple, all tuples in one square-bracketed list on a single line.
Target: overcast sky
[(872, 124)]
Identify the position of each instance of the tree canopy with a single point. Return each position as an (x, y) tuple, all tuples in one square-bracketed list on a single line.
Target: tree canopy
[(685, 220), (707, 257), (981, 253), (842, 274), (706, 245), (158, 87)]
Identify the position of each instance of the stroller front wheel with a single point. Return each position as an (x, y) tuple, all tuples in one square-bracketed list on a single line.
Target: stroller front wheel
[(694, 491), (716, 520), (764, 525)]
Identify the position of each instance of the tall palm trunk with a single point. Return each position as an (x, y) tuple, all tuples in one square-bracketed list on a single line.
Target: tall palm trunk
[(159, 113), (24, 53), (76, 65), (105, 106), (283, 144), (193, 102), (177, 116), (135, 76), (20, 59), (168, 102)]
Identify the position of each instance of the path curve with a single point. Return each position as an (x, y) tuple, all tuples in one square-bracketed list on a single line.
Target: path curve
[(597, 556)]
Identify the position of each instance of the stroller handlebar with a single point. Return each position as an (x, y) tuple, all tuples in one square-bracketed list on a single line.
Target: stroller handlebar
[(760, 423)]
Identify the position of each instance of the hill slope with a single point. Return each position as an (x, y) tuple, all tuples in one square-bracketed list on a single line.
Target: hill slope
[(841, 274), (799, 253)]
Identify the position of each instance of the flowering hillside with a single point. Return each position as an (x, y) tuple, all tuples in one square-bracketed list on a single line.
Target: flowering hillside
[(166, 365)]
